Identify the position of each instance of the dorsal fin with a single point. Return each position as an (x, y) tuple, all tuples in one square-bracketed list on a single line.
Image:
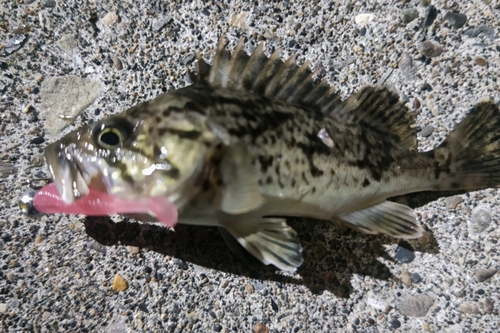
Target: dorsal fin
[(378, 107), (267, 76)]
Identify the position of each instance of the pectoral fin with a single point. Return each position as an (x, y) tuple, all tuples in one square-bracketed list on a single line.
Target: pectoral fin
[(388, 218), (270, 240), (241, 193)]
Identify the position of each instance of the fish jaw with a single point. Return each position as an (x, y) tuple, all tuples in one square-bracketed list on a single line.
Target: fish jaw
[(68, 177)]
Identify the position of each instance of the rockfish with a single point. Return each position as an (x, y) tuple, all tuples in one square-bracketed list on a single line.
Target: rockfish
[(254, 140)]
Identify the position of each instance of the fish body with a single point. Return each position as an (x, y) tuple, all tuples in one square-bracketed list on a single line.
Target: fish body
[(255, 140)]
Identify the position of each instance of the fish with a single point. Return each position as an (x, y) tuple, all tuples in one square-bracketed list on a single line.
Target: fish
[(255, 140)]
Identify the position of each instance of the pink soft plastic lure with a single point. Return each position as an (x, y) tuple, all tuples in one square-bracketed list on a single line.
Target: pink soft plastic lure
[(47, 200)]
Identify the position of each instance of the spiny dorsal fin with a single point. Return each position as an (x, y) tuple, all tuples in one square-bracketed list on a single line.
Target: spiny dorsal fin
[(267, 76), (381, 109)]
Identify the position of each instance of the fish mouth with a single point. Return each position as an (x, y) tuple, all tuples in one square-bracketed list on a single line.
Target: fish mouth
[(75, 173), (70, 175)]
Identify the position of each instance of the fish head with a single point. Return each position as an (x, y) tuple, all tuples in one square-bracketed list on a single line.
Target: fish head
[(134, 155)]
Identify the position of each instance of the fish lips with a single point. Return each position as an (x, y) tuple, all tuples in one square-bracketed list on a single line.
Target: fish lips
[(66, 168)]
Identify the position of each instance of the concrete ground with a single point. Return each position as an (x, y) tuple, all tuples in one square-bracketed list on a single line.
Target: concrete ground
[(91, 59)]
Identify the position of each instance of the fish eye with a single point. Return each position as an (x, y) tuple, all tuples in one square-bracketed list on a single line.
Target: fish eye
[(111, 135)]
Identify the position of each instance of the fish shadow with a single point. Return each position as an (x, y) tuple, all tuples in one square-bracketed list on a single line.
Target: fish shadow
[(331, 255)]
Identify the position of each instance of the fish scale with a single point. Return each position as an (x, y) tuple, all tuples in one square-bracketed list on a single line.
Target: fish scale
[(254, 140)]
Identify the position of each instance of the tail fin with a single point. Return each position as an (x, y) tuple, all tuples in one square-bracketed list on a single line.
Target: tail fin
[(472, 151)]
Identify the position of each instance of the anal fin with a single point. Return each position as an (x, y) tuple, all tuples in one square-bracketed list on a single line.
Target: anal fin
[(238, 249), (388, 217), (270, 240)]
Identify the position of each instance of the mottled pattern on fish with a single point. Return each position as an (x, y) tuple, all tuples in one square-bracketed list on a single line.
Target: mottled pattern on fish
[(292, 161), (254, 137)]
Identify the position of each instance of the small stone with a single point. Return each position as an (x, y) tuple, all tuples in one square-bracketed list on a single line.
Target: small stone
[(409, 15), (468, 307), (395, 323), (67, 43), (415, 277), (161, 23), (404, 253), (48, 3), (405, 277), (430, 16), (217, 327), (479, 221), (39, 238), (457, 20), (239, 21), (480, 61), (143, 307), (406, 67), (425, 3), (364, 19), (484, 274), (133, 48), (430, 49), (250, 288), (414, 305), (119, 283), (426, 131), (133, 249), (268, 34), (181, 264), (293, 44), (37, 160), (432, 106), (260, 328), (98, 247), (66, 97), (488, 305), (378, 302), (117, 63), (426, 87), (27, 109), (3, 308), (6, 169), (426, 327), (13, 44), (416, 104), (76, 225), (274, 306), (488, 246), (454, 201), (481, 30), (37, 140), (110, 19)]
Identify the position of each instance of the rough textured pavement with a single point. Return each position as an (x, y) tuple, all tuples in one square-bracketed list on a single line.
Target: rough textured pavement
[(64, 63)]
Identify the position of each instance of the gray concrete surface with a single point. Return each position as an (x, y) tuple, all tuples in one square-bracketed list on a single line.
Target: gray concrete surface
[(89, 59)]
